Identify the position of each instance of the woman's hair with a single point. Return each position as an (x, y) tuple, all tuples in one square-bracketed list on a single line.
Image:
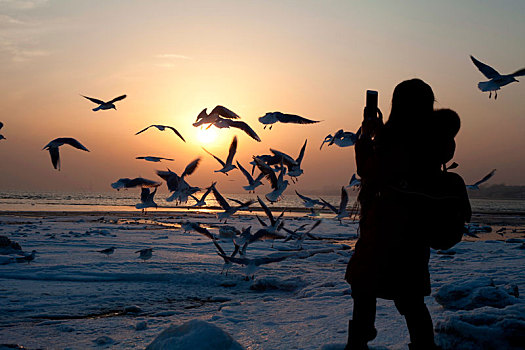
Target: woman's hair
[(412, 106)]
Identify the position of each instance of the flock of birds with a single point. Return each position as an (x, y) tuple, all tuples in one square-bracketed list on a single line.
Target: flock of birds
[(273, 167)]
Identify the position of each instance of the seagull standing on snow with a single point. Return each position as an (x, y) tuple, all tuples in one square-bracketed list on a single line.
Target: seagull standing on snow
[(485, 178), (226, 166), (162, 128), (107, 251), (496, 80), (145, 253), (274, 117), (52, 147), (105, 105), (154, 159)]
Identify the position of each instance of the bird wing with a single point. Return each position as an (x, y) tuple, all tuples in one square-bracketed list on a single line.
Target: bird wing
[(292, 118), (301, 153), (117, 99), (72, 142), (488, 176), (176, 132), (224, 112), (190, 168), (202, 114), (330, 206), (518, 73), (220, 199), (267, 211), (267, 171), (1, 125), (245, 173), (144, 194), (94, 100), (141, 131), (208, 190), (55, 157), (244, 127), (304, 198), (286, 159), (140, 181), (487, 70), (344, 200), (231, 152), (217, 158)]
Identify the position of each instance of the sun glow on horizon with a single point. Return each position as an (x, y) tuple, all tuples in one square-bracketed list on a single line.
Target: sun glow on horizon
[(206, 135)]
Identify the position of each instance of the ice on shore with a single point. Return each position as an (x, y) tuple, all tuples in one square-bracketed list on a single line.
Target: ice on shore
[(483, 328), (194, 335)]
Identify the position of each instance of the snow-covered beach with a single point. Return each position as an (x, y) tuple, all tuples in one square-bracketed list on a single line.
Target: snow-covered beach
[(71, 296)]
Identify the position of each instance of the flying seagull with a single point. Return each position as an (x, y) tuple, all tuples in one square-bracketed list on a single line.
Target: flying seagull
[(341, 138), (154, 159), (228, 209), (105, 105), (162, 128), (496, 80), (136, 182), (146, 199), (226, 166), (341, 212), (278, 183), (176, 184), (52, 147), (2, 136), (252, 183), (485, 178), (274, 117), (309, 202), (202, 202), (221, 117)]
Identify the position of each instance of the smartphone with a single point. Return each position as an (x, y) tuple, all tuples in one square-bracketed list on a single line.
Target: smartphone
[(371, 104)]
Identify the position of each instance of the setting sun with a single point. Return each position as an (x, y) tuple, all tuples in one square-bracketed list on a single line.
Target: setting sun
[(206, 135)]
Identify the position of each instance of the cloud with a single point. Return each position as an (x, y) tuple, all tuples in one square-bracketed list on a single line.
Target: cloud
[(21, 4), (17, 53), (173, 56)]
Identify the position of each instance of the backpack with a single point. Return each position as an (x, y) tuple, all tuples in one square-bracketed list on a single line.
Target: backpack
[(448, 210)]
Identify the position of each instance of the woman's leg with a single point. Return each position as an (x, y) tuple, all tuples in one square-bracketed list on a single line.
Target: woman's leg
[(418, 320), (361, 328)]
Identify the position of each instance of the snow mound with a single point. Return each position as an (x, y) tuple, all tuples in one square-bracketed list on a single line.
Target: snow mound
[(272, 283), (469, 295), (194, 335), (483, 328)]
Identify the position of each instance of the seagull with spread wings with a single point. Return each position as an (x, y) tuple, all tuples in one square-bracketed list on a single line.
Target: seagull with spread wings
[(154, 159), (310, 202), (496, 80), (221, 117), (252, 183), (202, 202), (52, 147), (341, 138), (104, 105), (146, 199), (228, 209), (278, 183), (341, 212), (126, 182), (162, 128), (176, 184), (228, 165), (274, 117), (485, 178)]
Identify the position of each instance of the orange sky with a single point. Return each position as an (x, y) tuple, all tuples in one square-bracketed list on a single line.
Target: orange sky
[(312, 58)]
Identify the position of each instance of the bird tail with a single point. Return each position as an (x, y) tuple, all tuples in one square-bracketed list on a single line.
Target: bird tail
[(96, 109)]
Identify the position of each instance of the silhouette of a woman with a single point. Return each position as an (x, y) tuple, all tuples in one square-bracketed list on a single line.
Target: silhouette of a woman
[(391, 256)]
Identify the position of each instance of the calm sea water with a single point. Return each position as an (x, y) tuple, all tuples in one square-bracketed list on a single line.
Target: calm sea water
[(125, 200)]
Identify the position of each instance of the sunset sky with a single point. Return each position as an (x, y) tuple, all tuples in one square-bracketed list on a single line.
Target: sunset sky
[(311, 58)]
